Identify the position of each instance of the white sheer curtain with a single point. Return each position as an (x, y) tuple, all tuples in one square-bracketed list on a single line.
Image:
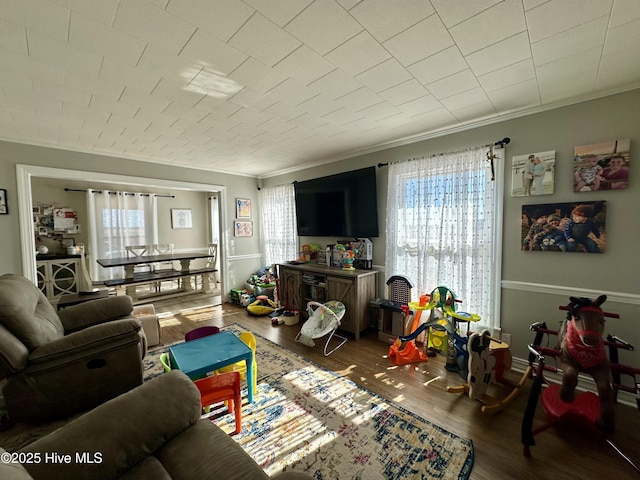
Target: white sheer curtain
[(118, 219), (279, 235), (444, 228)]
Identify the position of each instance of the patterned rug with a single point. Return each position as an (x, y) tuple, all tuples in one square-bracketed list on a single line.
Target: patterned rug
[(307, 418)]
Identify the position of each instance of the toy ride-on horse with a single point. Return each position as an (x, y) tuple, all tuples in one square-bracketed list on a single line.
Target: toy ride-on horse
[(581, 349)]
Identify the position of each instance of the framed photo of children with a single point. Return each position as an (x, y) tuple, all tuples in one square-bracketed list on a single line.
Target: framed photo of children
[(564, 227), (533, 173), (601, 166), (243, 208)]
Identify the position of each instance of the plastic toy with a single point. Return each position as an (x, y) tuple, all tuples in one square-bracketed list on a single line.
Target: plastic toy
[(324, 319), (489, 360), (582, 328), (262, 306)]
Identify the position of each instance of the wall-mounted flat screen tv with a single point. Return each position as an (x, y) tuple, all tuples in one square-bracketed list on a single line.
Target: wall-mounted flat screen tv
[(341, 205)]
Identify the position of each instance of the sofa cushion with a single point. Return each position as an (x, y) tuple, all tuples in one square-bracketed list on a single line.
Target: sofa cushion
[(206, 451), (149, 469), (78, 317), (26, 312)]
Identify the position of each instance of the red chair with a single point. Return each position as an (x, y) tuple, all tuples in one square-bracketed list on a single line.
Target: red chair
[(219, 388), (201, 332)]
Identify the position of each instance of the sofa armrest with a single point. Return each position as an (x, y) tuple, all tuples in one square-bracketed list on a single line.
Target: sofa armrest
[(13, 353), (88, 341), (124, 431), (95, 312)]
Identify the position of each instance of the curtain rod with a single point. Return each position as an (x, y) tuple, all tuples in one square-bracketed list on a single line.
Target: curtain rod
[(115, 193), (499, 144)]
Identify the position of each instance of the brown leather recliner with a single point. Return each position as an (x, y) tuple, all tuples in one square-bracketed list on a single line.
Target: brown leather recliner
[(61, 363)]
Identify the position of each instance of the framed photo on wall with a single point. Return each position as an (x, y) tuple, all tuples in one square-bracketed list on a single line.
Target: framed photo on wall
[(601, 166), (4, 210), (181, 218), (243, 228), (564, 227), (533, 174), (243, 208)]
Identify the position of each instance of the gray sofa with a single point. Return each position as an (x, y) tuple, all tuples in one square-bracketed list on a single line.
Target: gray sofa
[(60, 364), (152, 432)]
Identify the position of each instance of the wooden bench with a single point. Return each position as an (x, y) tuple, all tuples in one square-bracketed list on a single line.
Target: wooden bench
[(142, 278)]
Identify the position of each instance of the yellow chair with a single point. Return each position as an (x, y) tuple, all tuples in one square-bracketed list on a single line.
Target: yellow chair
[(166, 363), (250, 340)]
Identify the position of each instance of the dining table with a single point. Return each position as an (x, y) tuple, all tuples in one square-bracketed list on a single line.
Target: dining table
[(129, 263), (197, 358)]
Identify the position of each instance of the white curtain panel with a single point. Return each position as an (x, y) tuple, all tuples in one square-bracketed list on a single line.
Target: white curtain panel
[(279, 235), (442, 225), (118, 219)]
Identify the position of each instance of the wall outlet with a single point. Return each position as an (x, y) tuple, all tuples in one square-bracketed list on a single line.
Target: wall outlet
[(506, 338)]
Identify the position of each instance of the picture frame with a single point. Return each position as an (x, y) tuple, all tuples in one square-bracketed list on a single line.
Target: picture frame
[(533, 173), (243, 228), (550, 227), (601, 166), (36, 210), (181, 218), (43, 231), (4, 209), (243, 208)]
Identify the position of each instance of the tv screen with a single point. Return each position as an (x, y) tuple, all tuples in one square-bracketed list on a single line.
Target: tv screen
[(341, 205)]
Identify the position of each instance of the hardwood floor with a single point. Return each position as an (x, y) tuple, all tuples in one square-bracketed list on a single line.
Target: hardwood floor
[(421, 388)]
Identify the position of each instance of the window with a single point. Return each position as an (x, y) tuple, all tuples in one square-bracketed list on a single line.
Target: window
[(278, 224), (443, 227)]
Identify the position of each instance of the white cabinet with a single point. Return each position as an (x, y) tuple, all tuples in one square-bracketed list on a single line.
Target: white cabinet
[(58, 275)]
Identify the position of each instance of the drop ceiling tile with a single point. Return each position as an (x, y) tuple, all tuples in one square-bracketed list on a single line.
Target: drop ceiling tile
[(465, 99), (49, 50), (491, 26), (264, 40), (114, 71), (151, 115), (102, 104), (624, 11), (457, 11), (279, 12), (622, 38), (439, 65), (335, 84), (292, 92), (257, 75), (285, 111), (30, 100), (97, 37), (404, 92), (341, 117), (379, 111), (17, 80), (92, 84), (42, 16), (221, 18), (419, 41), (454, 84), (13, 37), (185, 113), (205, 50), (501, 54), (144, 100), (249, 118), (570, 42), (103, 11), (320, 105), (250, 98), (384, 75), (385, 18), (584, 64), (474, 112), (613, 75), (359, 99), (531, 4), (557, 16), (147, 22), (420, 105), (322, 16), (510, 75), (358, 54), (24, 64), (304, 65), (583, 84), (47, 89), (167, 65), (176, 92), (514, 97)]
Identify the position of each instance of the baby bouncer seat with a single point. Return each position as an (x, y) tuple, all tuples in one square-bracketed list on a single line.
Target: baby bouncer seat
[(324, 319)]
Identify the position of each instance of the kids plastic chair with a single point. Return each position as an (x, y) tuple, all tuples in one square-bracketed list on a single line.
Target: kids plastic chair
[(324, 319), (166, 363), (250, 340), (201, 332), (222, 388)]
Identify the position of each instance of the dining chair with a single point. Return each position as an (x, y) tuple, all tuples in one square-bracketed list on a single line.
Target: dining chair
[(212, 262), (162, 249), (241, 367)]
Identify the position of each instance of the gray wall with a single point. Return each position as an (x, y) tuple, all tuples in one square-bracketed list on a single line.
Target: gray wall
[(536, 283)]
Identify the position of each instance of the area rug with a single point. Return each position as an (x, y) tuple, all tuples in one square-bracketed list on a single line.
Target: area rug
[(307, 418)]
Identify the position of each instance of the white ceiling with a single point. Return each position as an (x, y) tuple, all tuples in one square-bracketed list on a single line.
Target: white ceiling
[(258, 87)]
